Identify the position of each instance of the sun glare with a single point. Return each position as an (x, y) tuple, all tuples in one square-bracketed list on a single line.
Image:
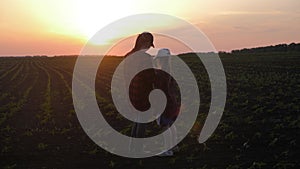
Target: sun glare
[(82, 19), (92, 16), (85, 18), (30, 23)]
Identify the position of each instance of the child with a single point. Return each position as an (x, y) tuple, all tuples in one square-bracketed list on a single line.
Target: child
[(165, 82)]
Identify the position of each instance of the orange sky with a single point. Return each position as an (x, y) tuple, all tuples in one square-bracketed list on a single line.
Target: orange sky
[(56, 27)]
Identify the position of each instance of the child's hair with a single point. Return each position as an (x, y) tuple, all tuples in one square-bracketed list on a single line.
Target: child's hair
[(162, 59)]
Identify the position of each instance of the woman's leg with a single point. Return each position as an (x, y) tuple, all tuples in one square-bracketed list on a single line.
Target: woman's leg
[(141, 129), (133, 130), (174, 138), (138, 131)]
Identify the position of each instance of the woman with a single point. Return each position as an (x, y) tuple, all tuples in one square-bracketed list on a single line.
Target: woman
[(142, 84)]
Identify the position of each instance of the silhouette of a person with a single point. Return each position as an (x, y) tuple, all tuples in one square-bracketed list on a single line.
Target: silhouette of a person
[(142, 84), (165, 82)]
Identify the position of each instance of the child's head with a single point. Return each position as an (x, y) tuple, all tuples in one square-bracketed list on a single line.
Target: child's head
[(162, 59)]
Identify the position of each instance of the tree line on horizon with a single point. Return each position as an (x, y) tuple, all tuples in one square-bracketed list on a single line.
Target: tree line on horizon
[(293, 47)]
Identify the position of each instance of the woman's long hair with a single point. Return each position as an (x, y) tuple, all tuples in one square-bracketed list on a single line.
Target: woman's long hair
[(143, 41)]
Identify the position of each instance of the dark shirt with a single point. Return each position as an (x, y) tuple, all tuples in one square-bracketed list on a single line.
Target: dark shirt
[(142, 84)]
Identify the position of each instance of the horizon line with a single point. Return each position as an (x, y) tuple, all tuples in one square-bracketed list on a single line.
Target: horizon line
[(68, 55)]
